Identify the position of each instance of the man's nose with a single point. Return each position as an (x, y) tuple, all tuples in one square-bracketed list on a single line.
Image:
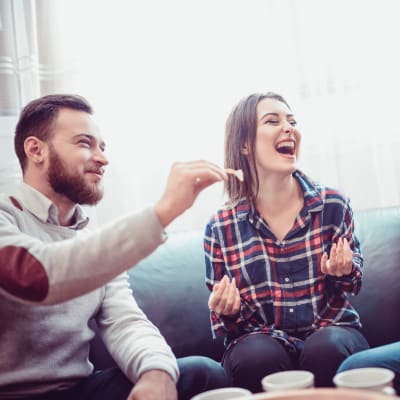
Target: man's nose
[(100, 157)]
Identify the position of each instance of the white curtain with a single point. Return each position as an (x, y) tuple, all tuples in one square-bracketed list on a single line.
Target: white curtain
[(163, 75), (18, 78)]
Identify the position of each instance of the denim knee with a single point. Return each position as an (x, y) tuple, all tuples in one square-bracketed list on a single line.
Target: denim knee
[(198, 374)]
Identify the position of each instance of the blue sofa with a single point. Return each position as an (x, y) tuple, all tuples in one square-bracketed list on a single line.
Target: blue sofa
[(169, 286)]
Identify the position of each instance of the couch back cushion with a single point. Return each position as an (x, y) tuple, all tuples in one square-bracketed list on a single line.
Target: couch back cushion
[(169, 286), (377, 303)]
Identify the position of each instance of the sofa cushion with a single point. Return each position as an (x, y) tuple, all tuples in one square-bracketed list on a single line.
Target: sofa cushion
[(379, 233), (169, 286)]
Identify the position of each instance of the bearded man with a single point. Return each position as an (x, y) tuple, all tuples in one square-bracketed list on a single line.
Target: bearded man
[(55, 276)]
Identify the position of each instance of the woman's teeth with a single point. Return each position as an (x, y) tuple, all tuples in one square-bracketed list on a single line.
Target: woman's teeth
[(285, 148)]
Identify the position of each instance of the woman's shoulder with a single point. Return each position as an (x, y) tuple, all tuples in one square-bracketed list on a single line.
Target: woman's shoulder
[(317, 189), (229, 212)]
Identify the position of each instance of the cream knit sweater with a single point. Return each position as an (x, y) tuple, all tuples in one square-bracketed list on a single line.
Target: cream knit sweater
[(54, 280)]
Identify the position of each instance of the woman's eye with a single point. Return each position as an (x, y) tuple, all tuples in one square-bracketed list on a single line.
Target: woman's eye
[(85, 143), (272, 121), (293, 123)]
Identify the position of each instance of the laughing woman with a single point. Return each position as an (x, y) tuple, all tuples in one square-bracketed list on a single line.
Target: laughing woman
[(281, 255)]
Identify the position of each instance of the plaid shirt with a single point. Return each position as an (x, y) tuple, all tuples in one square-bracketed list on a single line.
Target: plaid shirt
[(283, 291)]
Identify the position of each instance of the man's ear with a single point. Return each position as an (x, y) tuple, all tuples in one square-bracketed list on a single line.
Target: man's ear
[(34, 149)]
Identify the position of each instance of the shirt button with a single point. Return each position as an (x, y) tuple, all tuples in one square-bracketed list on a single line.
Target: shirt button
[(287, 279), (291, 310)]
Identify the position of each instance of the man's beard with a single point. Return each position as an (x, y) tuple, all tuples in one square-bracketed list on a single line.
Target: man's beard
[(71, 186)]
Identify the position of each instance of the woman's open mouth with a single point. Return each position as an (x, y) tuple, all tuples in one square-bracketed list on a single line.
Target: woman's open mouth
[(286, 147)]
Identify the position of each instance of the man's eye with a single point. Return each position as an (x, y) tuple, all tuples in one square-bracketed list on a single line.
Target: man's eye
[(86, 143)]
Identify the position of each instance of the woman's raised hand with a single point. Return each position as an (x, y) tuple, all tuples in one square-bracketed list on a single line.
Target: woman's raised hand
[(340, 260), (225, 298)]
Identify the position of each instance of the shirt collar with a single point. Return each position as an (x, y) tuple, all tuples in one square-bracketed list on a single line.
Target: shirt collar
[(42, 208), (313, 201)]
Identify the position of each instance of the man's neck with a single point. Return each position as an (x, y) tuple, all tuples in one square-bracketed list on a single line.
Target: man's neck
[(66, 211), (65, 207)]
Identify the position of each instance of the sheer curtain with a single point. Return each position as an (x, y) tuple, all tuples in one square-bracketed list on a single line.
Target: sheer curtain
[(18, 78), (162, 77), (34, 60)]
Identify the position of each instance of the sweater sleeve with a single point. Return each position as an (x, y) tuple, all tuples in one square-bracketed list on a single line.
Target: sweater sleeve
[(48, 272), (133, 341)]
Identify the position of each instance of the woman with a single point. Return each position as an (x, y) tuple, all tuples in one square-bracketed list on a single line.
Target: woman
[(281, 255)]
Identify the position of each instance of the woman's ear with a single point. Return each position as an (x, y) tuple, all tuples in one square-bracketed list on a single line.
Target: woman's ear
[(34, 149), (245, 150)]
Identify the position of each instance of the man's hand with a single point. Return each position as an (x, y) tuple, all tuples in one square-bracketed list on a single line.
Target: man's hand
[(340, 259), (225, 297), (154, 385), (186, 180)]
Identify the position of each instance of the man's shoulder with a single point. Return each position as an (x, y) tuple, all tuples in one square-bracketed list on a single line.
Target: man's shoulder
[(10, 205)]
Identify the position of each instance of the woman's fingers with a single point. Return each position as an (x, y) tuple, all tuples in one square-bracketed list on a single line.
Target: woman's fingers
[(324, 263), (340, 260), (332, 260), (216, 296), (347, 258), (225, 298)]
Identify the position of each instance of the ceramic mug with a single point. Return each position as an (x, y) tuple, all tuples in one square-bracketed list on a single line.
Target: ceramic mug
[(224, 394), (376, 379), (288, 380)]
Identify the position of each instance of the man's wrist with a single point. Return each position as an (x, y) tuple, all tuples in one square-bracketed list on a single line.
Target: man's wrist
[(156, 374), (164, 214)]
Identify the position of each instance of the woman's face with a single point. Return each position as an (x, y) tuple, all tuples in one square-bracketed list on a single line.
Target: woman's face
[(277, 138)]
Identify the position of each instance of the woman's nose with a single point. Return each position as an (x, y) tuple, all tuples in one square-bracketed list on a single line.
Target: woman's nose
[(287, 127)]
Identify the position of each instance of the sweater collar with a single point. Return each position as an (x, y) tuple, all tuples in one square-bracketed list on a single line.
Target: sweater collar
[(42, 208)]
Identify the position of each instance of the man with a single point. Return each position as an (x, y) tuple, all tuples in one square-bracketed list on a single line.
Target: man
[(55, 278)]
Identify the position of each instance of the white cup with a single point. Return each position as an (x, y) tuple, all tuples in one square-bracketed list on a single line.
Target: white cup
[(376, 379), (288, 380), (224, 394)]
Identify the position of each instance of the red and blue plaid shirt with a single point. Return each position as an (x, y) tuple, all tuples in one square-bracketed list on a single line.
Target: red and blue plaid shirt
[(283, 291)]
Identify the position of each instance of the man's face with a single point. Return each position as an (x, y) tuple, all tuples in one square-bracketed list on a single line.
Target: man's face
[(76, 158)]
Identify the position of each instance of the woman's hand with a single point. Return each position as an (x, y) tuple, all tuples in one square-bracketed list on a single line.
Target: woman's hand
[(340, 260), (225, 298)]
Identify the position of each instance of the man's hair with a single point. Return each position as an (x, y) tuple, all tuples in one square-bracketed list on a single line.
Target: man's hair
[(37, 119), (240, 133)]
